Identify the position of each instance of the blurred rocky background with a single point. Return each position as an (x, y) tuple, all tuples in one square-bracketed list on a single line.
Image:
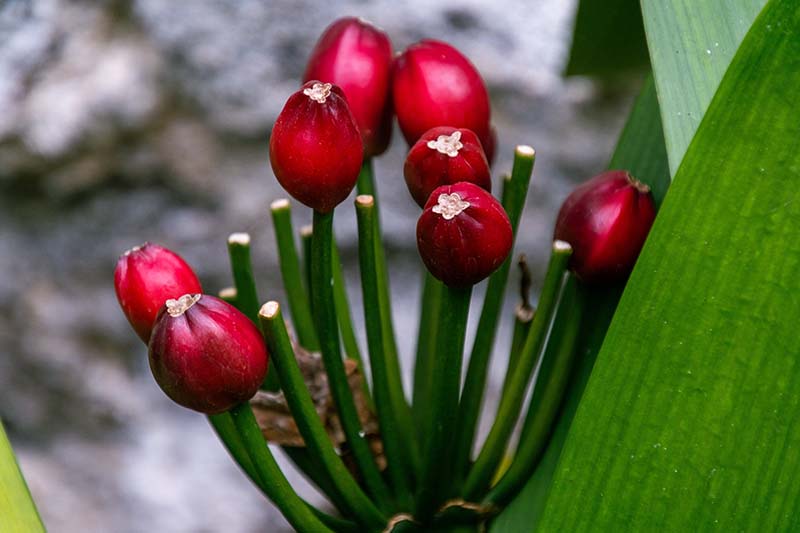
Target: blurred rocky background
[(130, 120)]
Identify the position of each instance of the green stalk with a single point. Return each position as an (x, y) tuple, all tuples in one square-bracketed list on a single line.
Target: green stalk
[(515, 189), (328, 330), (308, 423), (523, 316), (392, 443), (366, 185), (226, 431), (246, 293), (430, 304), (299, 306), (446, 377), (547, 398), (311, 467), (342, 303), (17, 510), (274, 483), (511, 402), (306, 232)]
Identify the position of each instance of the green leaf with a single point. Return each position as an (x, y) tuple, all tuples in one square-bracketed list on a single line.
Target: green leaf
[(17, 511), (690, 418), (641, 151), (691, 45), (608, 39)]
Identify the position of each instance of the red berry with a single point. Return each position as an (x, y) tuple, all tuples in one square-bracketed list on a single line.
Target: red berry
[(463, 234), (147, 276), (444, 156), (205, 354), (435, 85), (357, 56), (606, 220), (315, 147)]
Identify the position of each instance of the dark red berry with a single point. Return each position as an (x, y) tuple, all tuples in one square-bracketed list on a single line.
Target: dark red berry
[(435, 85), (463, 234), (444, 156), (357, 56), (606, 220), (315, 147), (205, 354), (147, 276)]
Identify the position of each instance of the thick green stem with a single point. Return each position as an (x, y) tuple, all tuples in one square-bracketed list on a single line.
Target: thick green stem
[(511, 402), (245, 284), (392, 443), (328, 330), (446, 377), (523, 316), (430, 303), (308, 422), (366, 185), (299, 306), (306, 232), (274, 483), (515, 189), (342, 303), (547, 398)]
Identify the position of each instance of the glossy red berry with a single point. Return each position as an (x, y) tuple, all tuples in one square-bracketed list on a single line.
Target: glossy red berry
[(205, 354), (463, 234), (435, 85), (146, 276), (606, 220), (315, 147), (444, 156), (357, 56)]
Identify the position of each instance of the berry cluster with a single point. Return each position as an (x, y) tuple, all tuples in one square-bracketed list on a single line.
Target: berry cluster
[(211, 354)]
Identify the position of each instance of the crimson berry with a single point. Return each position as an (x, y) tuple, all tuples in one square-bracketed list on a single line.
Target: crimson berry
[(606, 220), (444, 156), (205, 354), (434, 85), (146, 276), (357, 56), (463, 234), (315, 147)]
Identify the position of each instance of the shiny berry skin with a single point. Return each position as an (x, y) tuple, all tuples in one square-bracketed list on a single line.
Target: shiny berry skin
[(357, 56), (606, 220), (315, 147), (435, 85), (463, 234), (444, 156), (146, 276), (205, 354)]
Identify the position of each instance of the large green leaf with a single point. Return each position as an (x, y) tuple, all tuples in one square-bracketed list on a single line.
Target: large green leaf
[(17, 511), (608, 39), (691, 45), (641, 151), (690, 418)]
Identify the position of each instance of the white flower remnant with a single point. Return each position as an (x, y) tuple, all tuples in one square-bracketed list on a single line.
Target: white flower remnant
[(176, 308), (450, 205), (319, 92), (447, 144)]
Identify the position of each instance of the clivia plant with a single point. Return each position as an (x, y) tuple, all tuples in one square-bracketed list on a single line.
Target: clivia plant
[(416, 471)]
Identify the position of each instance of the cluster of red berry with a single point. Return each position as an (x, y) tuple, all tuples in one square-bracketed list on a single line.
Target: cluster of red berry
[(208, 356)]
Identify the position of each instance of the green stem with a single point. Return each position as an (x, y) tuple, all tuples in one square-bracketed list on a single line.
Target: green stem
[(273, 481), (515, 189), (312, 469), (306, 232), (228, 294), (446, 377), (547, 398), (328, 330), (393, 447), (523, 316), (511, 402), (308, 423), (299, 306), (366, 185), (430, 303), (342, 303)]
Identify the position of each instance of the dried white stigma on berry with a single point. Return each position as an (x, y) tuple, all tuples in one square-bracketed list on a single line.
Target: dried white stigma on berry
[(176, 308), (447, 144), (450, 205), (319, 92), (134, 249)]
